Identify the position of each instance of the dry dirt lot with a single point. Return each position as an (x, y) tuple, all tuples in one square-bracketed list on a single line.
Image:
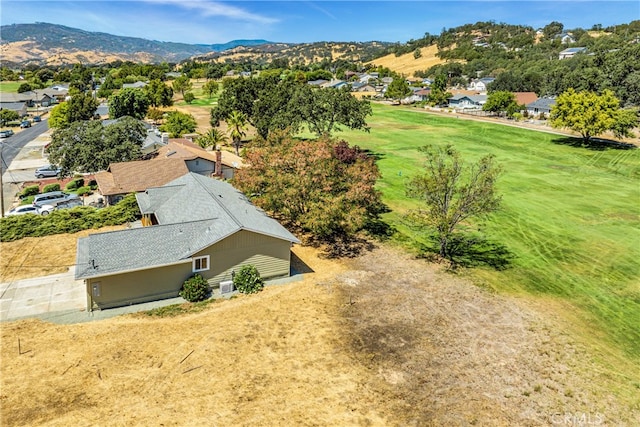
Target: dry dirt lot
[(381, 339)]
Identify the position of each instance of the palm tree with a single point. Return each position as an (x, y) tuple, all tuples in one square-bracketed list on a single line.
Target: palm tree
[(237, 121), (213, 138)]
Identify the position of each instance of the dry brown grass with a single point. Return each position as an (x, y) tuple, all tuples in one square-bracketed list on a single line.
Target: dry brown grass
[(406, 64), (383, 339), (40, 256)]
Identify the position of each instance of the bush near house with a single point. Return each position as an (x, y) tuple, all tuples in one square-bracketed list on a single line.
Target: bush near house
[(75, 184), (84, 191), (68, 220), (195, 289), (51, 187), (248, 280), (31, 190)]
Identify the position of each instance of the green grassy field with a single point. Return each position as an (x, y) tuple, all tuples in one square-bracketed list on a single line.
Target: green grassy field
[(570, 219), (10, 86)]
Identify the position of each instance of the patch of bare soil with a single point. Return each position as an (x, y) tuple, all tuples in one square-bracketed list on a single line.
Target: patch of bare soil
[(382, 339)]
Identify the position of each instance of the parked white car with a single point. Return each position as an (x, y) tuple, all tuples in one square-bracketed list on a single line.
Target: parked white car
[(31, 209)]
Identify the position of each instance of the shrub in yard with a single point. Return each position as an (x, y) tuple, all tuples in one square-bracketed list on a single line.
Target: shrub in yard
[(31, 190), (195, 289), (51, 187), (75, 184), (93, 184), (248, 280), (84, 191)]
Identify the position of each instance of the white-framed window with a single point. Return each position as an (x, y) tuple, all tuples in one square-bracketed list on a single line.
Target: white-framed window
[(200, 263)]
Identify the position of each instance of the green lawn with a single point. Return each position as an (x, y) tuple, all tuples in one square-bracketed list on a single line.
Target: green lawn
[(570, 218), (10, 86)]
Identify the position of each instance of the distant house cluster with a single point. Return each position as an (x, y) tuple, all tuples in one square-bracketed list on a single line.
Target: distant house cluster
[(19, 102)]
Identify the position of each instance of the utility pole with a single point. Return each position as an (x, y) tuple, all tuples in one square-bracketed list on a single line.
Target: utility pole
[(1, 184)]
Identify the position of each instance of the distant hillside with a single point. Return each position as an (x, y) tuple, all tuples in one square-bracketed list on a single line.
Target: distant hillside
[(43, 43), (300, 54), (407, 64)]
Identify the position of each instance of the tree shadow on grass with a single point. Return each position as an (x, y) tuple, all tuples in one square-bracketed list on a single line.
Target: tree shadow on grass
[(595, 144), (471, 251)]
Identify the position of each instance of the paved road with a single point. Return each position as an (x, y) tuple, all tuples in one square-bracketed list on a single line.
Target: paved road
[(11, 146)]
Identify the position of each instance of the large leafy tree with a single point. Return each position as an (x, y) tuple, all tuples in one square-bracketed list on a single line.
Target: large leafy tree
[(82, 106), (178, 123), (439, 94), (58, 117), (398, 89), (323, 110), (132, 102), (88, 146), (501, 101), (591, 114), (452, 193), (7, 116), (322, 186), (210, 88), (182, 84), (159, 94)]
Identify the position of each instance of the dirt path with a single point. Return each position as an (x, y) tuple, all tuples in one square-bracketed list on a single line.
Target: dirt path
[(382, 339)]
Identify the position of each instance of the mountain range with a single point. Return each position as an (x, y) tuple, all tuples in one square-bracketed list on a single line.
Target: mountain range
[(43, 43)]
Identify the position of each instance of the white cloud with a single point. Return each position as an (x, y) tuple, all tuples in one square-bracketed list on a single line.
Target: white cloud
[(213, 8)]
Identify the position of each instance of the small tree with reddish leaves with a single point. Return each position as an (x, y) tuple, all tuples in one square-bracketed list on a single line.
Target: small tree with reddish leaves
[(323, 187)]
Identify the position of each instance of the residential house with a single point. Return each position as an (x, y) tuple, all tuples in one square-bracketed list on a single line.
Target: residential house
[(318, 82), (18, 107), (540, 107), (386, 80), (565, 38), (136, 85), (195, 225), (525, 98), (480, 85), (362, 87), (170, 161), (462, 101), (421, 95), (571, 52), (336, 84)]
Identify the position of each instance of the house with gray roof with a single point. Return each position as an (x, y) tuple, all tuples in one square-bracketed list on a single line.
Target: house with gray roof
[(540, 107), (571, 52), (462, 101), (193, 224)]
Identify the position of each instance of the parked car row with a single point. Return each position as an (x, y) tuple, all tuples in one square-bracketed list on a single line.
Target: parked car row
[(44, 204)]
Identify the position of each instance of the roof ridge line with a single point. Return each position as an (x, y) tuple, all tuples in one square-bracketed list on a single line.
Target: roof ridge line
[(233, 217)]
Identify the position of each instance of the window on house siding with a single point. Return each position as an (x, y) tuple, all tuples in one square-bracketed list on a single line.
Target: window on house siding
[(201, 263)]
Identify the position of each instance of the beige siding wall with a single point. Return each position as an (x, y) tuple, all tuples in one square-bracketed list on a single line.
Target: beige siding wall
[(271, 256), (139, 286)]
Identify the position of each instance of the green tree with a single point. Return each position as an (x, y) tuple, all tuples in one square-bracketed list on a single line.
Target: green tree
[(182, 84), (24, 87), (417, 53), (452, 192), (155, 114), (323, 110), (439, 94), (88, 146), (237, 122), (324, 187), (210, 88), (159, 94), (82, 106), (398, 89), (58, 117), (132, 102), (189, 97), (591, 114), (7, 116), (212, 138), (177, 124), (500, 101)]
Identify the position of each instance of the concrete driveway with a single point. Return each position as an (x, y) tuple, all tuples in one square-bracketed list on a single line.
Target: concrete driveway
[(43, 297)]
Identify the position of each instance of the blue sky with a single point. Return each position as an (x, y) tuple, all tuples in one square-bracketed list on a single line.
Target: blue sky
[(205, 21)]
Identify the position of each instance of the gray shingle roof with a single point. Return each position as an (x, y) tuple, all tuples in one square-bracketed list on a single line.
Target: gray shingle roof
[(193, 211)]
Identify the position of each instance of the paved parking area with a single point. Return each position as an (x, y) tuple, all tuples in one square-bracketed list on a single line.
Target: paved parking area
[(47, 295)]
